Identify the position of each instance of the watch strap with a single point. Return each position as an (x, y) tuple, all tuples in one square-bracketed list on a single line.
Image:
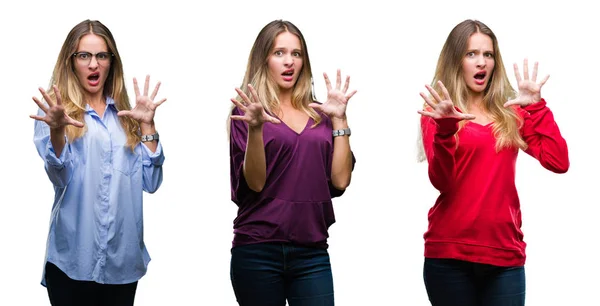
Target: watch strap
[(341, 132), (148, 138)]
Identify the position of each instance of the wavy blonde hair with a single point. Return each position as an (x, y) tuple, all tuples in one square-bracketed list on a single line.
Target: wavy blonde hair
[(257, 73), (71, 90), (506, 122)]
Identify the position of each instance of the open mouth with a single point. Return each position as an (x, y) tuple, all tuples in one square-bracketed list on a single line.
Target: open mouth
[(480, 75), (288, 73), (94, 77)]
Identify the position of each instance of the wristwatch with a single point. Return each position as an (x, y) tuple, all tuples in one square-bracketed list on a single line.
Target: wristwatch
[(148, 138), (341, 132)]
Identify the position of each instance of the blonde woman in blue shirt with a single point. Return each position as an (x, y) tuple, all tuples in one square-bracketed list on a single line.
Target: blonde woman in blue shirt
[(100, 155)]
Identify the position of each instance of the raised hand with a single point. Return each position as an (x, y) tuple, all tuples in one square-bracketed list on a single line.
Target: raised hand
[(254, 113), (55, 112), (145, 107), (443, 108), (529, 90), (337, 99)]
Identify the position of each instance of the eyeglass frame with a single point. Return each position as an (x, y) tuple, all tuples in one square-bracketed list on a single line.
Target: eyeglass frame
[(111, 55)]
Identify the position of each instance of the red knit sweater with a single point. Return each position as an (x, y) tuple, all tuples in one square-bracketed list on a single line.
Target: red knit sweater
[(477, 216)]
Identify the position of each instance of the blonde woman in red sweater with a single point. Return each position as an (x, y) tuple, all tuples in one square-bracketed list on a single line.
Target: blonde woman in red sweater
[(473, 125)]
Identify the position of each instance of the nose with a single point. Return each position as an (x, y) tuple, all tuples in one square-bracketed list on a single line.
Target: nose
[(480, 61), (288, 60), (93, 63)]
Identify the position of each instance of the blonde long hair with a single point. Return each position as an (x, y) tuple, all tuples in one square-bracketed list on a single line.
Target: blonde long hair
[(257, 72), (69, 86), (506, 122)]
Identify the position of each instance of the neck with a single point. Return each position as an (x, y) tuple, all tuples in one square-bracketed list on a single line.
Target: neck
[(285, 97), (96, 100), (475, 99)]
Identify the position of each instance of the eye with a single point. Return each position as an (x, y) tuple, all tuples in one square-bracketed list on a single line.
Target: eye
[(102, 56), (489, 54), (83, 55), (470, 54), (296, 54), (278, 53)]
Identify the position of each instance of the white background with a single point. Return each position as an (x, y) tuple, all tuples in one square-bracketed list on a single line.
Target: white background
[(199, 53)]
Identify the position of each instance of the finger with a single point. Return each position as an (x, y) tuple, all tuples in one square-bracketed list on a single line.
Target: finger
[(272, 119), (525, 69), (125, 113), (239, 104), (426, 113), (57, 95), (243, 96), (40, 118), (467, 117), (136, 88), (316, 106), (535, 71), (146, 85), (543, 81), (40, 104), (347, 84), (511, 103), (236, 117), (327, 82), (338, 80), (350, 95), (46, 97), (434, 93), (75, 123), (517, 74), (157, 104), (445, 91), (254, 94), (427, 100), (155, 92)]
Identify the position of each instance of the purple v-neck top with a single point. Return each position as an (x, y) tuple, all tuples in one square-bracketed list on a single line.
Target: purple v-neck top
[(295, 203)]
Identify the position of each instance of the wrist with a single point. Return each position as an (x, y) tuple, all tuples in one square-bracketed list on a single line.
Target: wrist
[(255, 128), (339, 123), (147, 128)]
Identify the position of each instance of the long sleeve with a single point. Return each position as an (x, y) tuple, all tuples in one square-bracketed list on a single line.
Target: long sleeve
[(440, 145), (544, 140), (237, 151), (152, 175), (59, 169)]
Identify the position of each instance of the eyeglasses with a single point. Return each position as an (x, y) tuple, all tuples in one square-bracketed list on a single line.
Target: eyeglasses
[(85, 58)]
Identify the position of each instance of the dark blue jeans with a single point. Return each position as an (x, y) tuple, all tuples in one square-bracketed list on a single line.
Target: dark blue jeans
[(268, 274), (452, 282)]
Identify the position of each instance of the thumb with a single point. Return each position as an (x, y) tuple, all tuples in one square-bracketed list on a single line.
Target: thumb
[(76, 123), (316, 106), (124, 113)]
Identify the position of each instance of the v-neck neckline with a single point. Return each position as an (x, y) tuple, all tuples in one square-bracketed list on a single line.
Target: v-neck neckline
[(294, 131)]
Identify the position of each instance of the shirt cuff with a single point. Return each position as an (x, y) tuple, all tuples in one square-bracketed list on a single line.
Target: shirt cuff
[(52, 159), (154, 158), (534, 107)]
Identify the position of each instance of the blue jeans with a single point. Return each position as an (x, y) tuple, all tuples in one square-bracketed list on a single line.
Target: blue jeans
[(268, 274), (452, 282)]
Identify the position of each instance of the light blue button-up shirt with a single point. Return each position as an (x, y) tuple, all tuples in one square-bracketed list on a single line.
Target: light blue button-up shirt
[(96, 227)]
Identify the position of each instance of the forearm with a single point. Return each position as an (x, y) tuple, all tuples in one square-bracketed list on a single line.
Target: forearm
[(341, 166), (255, 165), (57, 138)]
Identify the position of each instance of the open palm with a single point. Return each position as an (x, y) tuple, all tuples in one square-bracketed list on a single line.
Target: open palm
[(145, 107), (254, 113), (529, 90), (55, 112), (337, 98), (442, 108)]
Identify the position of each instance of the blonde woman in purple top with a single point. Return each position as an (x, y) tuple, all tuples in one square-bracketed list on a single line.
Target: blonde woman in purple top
[(289, 156)]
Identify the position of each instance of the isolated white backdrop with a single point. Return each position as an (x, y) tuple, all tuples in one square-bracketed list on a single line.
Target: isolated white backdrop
[(390, 50)]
